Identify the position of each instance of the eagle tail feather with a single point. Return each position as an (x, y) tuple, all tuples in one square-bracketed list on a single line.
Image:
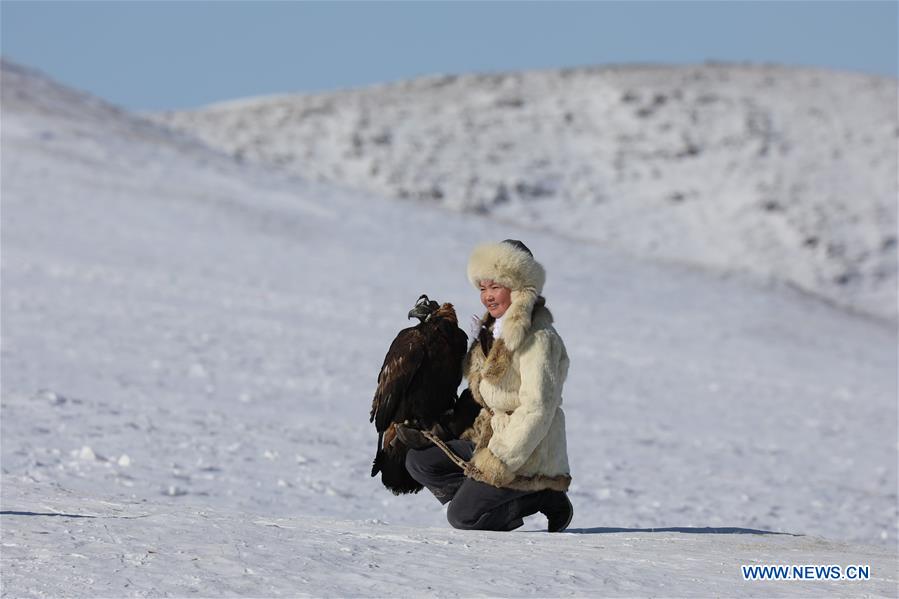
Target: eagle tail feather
[(394, 475), (376, 464)]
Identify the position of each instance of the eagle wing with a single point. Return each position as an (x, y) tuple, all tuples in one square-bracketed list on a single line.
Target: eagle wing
[(401, 364)]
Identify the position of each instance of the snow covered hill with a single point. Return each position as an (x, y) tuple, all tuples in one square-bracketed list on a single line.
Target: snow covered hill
[(782, 172), (190, 345)]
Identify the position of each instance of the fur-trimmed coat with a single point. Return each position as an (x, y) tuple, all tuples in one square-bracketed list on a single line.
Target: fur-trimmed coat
[(519, 434)]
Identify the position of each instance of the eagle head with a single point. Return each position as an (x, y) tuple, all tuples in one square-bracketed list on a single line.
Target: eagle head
[(424, 307)]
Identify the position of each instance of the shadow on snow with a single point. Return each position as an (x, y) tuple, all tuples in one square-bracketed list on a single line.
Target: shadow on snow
[(724, 530), (10, 513)]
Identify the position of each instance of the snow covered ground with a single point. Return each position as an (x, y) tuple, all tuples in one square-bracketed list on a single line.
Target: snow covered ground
[(101, 548), (190, 346), (785, 173)]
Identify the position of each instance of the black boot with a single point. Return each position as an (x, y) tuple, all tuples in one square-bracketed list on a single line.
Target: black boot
[(557, 509), (552, 504)]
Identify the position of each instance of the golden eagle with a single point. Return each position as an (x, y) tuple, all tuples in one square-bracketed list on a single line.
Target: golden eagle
[(417, 384)]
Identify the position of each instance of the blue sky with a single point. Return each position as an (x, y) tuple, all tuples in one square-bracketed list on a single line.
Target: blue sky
[(157, 55)]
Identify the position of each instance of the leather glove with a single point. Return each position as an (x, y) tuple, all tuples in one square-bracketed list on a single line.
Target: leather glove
[(490, 469), (413, 438)]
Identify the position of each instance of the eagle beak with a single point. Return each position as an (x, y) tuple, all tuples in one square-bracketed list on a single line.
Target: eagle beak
[(420, 311)]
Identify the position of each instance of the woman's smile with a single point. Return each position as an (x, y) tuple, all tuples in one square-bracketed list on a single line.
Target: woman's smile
[(495, 298)]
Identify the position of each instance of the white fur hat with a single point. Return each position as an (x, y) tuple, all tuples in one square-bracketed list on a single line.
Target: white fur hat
[(509, 263)]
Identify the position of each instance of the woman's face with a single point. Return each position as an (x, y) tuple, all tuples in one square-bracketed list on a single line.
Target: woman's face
[(495, 298)]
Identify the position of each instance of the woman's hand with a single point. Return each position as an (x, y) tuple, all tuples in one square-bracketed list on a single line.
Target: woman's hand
[(492, 470)]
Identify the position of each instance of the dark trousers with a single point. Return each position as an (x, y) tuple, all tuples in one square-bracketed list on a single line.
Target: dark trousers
[(473, 505)]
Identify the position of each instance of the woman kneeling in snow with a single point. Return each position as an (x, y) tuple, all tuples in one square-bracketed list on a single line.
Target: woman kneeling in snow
[(515, 371)]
